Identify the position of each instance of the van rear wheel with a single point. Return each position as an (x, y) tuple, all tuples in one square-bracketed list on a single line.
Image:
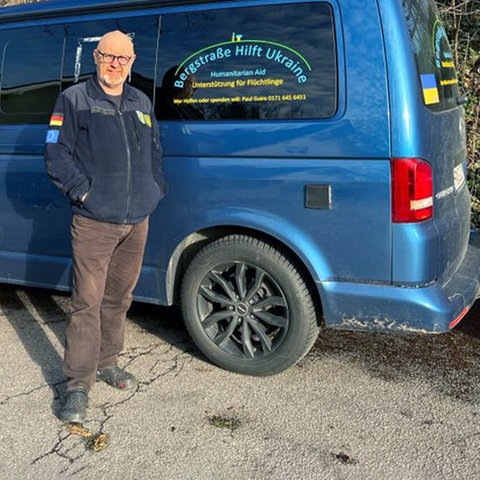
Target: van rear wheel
[(247, 307)]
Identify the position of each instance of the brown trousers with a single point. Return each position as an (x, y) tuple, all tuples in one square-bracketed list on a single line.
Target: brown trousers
[(107, 259)]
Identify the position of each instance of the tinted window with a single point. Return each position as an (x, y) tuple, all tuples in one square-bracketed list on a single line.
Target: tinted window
[(33, 57), (437, 76), (265, 62), (30, 81)]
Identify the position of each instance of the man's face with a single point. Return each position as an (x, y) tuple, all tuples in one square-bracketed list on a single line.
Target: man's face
[(114, 58)]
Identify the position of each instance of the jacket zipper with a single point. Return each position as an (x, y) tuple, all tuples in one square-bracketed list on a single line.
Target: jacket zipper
[(129, 167)]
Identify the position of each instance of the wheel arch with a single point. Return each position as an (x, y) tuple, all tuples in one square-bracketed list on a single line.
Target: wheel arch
[(193, 243)]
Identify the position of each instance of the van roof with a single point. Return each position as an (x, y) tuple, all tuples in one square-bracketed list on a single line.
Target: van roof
[(47, 8)]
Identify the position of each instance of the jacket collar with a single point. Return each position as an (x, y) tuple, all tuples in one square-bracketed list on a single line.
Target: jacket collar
[(94, 90)]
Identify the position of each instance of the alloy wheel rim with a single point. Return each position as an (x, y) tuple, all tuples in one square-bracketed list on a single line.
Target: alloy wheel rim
[(243, 310)]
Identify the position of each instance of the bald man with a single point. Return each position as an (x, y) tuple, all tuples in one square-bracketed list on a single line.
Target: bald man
[(103, 152)]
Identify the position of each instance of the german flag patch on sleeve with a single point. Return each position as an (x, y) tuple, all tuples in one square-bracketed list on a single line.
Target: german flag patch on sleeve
[(56, 120)]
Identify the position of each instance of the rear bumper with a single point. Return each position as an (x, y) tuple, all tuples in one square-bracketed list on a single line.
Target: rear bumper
[(431, 309)]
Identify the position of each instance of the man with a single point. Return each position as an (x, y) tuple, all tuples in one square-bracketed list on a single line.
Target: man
[(103, 152)]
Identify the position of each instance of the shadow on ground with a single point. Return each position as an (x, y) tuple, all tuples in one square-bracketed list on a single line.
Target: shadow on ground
[(449, 362)]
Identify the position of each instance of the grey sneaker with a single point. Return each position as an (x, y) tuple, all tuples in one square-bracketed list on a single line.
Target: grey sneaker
[(117, 378), (75, 407)]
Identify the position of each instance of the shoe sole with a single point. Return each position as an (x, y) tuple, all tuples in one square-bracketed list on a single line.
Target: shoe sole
[(78, 418)]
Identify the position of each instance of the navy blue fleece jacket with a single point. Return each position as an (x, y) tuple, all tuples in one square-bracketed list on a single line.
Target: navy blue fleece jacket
[(112, 155)]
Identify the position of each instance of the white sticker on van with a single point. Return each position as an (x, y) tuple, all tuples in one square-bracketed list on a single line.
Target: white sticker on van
[(459, 179), (444, 193)]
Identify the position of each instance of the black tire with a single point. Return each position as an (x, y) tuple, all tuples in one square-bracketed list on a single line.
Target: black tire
[(247, 307)]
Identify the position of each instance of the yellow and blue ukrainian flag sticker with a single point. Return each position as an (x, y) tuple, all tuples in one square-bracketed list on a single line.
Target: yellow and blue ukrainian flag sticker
[(430, 89), (56, 121)]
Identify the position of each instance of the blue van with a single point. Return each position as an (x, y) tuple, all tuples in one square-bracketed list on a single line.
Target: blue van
[(315, 153)]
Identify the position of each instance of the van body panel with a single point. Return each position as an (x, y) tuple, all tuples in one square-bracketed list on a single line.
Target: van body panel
[(316, 185), (430, 308), (231, 181), (438, 138)]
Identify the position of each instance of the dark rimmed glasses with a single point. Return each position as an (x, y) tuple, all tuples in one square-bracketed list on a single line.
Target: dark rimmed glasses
[(109, 58)]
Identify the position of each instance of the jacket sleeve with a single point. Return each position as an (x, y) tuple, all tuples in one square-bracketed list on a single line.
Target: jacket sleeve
[(157, 155), (59, 151)]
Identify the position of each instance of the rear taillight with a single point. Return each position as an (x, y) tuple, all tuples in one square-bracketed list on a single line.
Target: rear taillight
[(412, 190)]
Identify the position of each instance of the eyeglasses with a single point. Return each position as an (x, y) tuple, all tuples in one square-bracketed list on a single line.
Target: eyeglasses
[(109, 58)]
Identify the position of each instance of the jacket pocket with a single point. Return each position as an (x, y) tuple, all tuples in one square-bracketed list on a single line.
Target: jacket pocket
[(106, 199)]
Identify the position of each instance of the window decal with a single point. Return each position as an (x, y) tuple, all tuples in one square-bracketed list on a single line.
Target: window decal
[(223, 64), (430, 90), (238, 46), (438, 80), (443, 56), (255, 48)]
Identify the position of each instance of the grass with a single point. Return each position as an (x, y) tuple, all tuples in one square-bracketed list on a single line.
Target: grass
[(220, 421)]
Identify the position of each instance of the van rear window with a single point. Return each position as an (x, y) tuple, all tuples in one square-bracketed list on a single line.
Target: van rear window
[(436, 71), (262, 62)]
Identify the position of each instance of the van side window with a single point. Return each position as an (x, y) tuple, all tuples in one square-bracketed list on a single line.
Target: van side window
[(30, 80), (437, 76), (261, 62), (82, 38)]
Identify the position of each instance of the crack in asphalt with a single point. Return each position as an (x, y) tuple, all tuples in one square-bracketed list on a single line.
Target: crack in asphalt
[(448, 362), (22, 394), (171, 360), (40, 321)]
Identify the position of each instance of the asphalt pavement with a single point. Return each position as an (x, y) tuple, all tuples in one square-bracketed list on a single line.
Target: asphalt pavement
[(360, 406)]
